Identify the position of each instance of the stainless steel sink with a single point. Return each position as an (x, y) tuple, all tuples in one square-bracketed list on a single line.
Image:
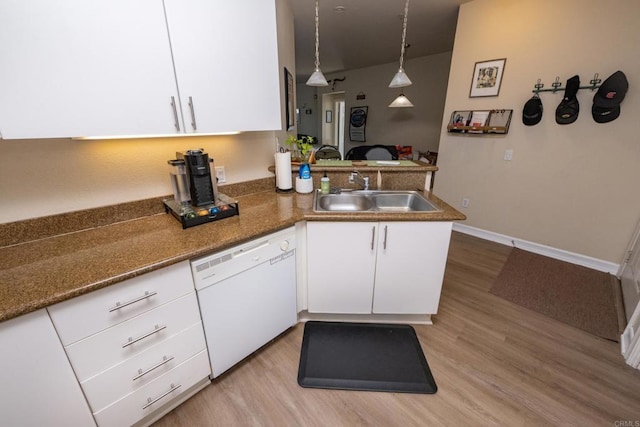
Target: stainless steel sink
[(372, 201), (342, 202)]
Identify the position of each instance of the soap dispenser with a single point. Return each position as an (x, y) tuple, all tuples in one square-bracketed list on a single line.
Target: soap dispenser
[(325, 184)]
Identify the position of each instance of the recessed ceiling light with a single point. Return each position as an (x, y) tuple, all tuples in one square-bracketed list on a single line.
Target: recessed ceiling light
[(339, 9)]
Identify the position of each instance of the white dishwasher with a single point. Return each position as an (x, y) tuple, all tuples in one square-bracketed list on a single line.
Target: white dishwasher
[(247, 296)]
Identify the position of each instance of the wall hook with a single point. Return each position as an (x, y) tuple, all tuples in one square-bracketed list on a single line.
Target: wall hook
[(595, 82), (556, 84), (538, 86)]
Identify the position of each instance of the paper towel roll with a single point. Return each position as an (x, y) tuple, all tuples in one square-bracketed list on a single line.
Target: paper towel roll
[(283, 171)]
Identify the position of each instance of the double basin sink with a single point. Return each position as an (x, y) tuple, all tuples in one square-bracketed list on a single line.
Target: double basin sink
[(372, 201)]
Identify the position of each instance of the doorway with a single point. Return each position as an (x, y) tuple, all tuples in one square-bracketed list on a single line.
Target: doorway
[(333, 119)]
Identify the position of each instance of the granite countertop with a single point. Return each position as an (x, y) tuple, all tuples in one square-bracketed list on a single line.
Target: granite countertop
[(42, 272)]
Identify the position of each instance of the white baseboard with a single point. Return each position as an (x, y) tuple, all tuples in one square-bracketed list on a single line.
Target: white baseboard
[(548, 251)]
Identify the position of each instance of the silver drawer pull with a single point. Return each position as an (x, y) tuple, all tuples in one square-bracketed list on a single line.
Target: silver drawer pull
[(148, 334), (176, 121), (385, 238), (166, 393), (142, 373), (119, 305), (193, 115), (373, 236)]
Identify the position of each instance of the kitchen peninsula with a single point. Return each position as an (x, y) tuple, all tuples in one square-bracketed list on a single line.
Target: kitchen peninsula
[(58, 266)]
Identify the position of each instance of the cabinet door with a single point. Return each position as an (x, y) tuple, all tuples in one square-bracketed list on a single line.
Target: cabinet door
[(410, 266), (226, 61), (38, 385), (85, 68), (341, 260)]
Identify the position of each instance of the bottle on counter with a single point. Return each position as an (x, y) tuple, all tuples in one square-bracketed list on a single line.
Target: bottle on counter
[(325, 184), (305, 171)]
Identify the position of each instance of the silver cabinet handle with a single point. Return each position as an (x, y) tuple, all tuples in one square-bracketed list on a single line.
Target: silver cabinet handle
[(148, 334), (119, 305), (151, 401), (384, 245), (175, 114), (193, 115), (373, 235), (142, 373)]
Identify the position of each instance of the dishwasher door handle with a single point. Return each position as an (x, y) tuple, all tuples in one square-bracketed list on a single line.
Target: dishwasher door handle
[(251, 249)]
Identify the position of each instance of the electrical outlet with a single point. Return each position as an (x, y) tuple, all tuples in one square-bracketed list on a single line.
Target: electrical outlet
[(221, 174), (508, 154), (465, 202)]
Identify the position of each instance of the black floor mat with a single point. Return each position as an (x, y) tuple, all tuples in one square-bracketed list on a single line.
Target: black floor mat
[(363, 356)]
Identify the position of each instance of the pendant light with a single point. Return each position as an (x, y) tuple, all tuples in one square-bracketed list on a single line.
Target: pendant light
[(401, 102), (317, 78), (401, 79)]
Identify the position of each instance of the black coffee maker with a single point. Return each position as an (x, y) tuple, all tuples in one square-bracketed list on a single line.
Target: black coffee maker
[(199, 176), (196, 198)]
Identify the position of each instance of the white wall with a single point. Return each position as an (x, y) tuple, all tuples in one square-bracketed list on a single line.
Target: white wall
[(45, 177), (572, 187), (418, 126)]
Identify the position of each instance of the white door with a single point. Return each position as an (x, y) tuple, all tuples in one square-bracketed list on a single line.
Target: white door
[(630, 275), (341, 260), (85, 68), (226, 61), (630, 278), (410, 266)]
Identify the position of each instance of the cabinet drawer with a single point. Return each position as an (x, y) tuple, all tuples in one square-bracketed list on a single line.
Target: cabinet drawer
[(88, 314), (140, 370), (134, 407), (99, 352)]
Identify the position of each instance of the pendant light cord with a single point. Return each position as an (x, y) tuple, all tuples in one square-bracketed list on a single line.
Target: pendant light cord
[(318, 38), (404, 32)]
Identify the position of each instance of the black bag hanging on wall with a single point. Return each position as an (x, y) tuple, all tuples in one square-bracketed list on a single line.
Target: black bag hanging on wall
[(569, 108)]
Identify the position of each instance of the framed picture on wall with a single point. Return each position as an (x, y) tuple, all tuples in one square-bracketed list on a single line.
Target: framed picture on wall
[(289, 99), (358, 124), (487, 78)]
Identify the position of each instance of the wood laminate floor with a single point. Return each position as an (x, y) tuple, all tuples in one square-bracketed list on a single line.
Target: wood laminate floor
[(495, 363)]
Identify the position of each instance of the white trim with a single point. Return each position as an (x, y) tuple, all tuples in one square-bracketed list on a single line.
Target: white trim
[(560, 254), (630, 248)]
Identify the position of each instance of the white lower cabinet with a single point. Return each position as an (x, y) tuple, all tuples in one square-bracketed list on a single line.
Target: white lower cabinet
[(380, 268), (148, 398), (38, 384), (134, 364)]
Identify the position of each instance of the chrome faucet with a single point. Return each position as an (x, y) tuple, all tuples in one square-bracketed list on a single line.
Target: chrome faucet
[(356, 177)]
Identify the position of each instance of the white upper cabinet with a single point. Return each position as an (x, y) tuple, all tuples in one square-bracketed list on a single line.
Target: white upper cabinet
[(73, 68), (85, 68), (226, 59)]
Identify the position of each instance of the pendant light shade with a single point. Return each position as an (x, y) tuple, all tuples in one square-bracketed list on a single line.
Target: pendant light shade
[(401, 79), (317, 78), (401, 102)]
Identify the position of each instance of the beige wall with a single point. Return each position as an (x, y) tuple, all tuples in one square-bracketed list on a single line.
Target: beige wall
[(572, 187), (45, 177)]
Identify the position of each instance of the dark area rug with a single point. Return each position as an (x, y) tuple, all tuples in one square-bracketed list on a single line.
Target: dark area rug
[(576, 295), (363, 356)]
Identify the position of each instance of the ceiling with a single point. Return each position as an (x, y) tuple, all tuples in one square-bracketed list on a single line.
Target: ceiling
[(369, 32)]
